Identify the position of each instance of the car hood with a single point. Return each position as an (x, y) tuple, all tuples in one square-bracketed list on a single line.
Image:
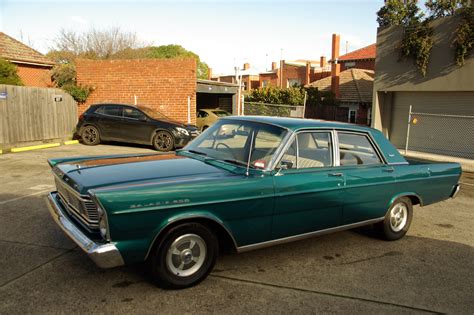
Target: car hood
[(177, 123), (88, 173)]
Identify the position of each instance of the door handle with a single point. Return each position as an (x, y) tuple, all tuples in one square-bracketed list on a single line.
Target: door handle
[(335, 174), (389, 169)]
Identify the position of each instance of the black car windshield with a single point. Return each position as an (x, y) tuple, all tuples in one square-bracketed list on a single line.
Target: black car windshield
[(153, 113), (230, 141), (221, 113)]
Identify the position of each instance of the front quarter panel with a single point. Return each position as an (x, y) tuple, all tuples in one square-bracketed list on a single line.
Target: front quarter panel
[(136, 214)]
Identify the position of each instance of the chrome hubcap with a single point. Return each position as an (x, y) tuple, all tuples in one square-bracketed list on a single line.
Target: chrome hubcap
[(398, 217), (186, 255)]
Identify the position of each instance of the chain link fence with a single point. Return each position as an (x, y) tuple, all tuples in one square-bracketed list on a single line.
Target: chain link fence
[(278, 110), (451, 135)]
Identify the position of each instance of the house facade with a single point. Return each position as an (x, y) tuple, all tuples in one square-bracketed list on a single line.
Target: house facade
[(363, 58), (33, 68), (444, 97)]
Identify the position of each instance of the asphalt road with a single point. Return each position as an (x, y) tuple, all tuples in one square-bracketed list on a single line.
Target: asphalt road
[(42, 271)]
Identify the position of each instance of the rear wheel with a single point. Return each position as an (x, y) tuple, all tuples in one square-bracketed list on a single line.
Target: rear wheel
[(397, 219), (185, 257), (90, 135), (163, 141)]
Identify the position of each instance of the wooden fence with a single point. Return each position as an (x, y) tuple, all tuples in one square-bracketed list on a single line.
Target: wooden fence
[(30, 114)]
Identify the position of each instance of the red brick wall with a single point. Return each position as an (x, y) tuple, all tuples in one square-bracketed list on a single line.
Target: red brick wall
[(293, 72), (34, 75), (271, 78), (360, 64), (163, 84)]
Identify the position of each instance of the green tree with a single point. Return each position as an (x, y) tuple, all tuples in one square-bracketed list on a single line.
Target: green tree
[(399, 12), (8, 73), (164, 52), (64, 77), (440, 8)]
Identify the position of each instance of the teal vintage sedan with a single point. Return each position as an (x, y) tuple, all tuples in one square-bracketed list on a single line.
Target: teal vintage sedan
[(245, 183)]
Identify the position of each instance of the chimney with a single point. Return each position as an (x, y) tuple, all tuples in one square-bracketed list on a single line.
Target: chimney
[(280, 74), (308, 71), (322, 62), (246, 66), (209, 74), (335, 66), (274, 65)]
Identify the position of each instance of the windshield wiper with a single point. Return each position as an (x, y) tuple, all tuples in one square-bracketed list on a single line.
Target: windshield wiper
[(197, 152), (235, 162)]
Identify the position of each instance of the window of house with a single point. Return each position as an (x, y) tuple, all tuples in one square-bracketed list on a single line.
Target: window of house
[(352, 117), (356, 149), (349, 64), (264, 83), (293, 82)]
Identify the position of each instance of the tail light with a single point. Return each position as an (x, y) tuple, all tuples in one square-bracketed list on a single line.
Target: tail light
[(81, 117)]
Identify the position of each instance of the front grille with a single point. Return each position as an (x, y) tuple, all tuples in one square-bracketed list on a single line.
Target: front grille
[(81, 207), (194, 133)]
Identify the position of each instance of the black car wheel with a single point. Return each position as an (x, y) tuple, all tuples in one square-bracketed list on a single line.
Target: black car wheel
[(397, 219), (90, 135), (184, 257), (163, 141)]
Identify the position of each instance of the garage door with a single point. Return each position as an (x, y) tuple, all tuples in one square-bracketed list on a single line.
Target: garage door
[(445, 127)]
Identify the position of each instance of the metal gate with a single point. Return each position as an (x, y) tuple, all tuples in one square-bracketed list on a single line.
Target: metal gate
[(442, 122)]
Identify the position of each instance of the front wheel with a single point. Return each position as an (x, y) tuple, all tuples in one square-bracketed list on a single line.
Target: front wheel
[(185, 256), (163, 141), (397, 219), (90, 135)]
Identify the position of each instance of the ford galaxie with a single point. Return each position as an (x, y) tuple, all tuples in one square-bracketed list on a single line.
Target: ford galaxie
[(245, 183)]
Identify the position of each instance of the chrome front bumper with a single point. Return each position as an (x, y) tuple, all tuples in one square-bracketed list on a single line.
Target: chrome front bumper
[(104, 255), (455, 191)]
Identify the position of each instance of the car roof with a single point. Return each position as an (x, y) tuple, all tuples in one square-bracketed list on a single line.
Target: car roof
[(300, 123)]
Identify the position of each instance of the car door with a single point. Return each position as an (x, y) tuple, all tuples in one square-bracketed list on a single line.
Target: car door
[(308, 193), (109, 120), (136, 127), (369, 182)]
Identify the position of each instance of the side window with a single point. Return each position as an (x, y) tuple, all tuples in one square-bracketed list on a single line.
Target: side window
[(310, 150), (132, 113), (356, 149), (314, 149), (111, 110), (202, 114)]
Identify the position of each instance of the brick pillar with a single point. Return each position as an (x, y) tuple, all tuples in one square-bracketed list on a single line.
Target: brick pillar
[(322, 62), (274, 65), (308, 71), (246, 66), (280, 74)]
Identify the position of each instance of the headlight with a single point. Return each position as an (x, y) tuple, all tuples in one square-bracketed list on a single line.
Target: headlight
[(182, 130), (103, 227)]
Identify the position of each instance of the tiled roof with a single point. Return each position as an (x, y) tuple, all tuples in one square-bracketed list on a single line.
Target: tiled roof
[(355, 85), (13, 50), (367, 52)]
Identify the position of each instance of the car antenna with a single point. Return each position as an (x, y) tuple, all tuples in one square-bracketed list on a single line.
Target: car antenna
[(250, 154)]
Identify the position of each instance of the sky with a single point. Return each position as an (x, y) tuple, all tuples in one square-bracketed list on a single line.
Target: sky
[(223, 33)]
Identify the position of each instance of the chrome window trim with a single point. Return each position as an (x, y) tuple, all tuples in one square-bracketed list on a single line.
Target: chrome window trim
[(331, 132)]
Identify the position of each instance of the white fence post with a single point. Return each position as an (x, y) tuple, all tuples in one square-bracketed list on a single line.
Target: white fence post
[(408, 131), (189, 109)]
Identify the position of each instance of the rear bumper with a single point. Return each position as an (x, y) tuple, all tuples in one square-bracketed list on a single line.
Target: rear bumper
[(104, 255), (456, 190)]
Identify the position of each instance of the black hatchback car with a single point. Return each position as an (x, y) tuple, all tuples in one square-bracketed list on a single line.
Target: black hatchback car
[(133, 124)]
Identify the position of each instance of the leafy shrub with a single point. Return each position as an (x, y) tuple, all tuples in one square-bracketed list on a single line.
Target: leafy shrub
[(8, 73)]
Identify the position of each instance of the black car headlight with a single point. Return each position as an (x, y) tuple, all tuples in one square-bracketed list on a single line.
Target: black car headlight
[(182, 131)]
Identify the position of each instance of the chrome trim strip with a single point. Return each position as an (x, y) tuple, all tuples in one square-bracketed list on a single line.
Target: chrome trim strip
[(398, 163), (288, 239), (104, 255), (456, 190)]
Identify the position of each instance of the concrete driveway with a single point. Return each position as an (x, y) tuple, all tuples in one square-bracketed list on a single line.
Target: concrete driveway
[(42, 271)]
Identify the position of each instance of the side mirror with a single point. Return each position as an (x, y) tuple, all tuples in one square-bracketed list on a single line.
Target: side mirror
[(286, 164)]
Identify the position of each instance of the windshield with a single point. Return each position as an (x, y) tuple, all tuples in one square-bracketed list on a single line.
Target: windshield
[(153, 113), (221, 113), (230, 141)]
